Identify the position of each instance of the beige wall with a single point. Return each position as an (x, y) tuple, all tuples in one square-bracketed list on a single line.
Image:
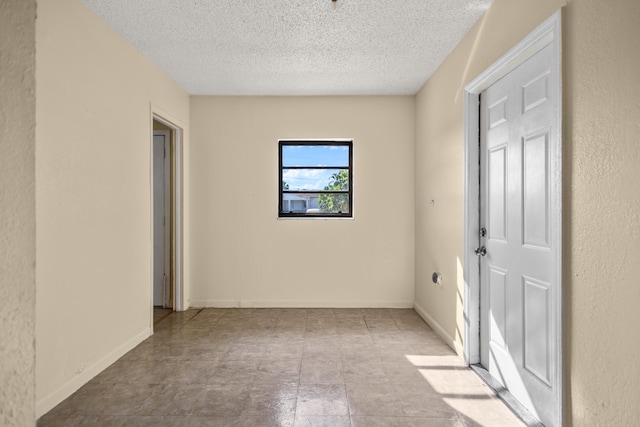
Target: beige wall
[(440, 158), (601, 202), (602, 210), (93, 151), (17, 212), (93, 198), (159, 126), (242, 255)]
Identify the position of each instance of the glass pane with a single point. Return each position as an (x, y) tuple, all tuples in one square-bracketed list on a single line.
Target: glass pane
[(333, 203), (315, 155), (312, 203), (315, 179)]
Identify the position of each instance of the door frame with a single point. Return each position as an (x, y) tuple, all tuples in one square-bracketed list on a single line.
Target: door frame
[(176, 208), (549, 32)]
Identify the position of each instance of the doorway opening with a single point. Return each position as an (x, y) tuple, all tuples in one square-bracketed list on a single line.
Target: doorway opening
[(499, 207), (166, 212)]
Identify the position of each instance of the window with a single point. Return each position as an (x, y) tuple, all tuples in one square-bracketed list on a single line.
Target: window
[(316, 179)]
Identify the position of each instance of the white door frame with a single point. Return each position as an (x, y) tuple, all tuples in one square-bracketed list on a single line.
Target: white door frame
[(177, 237), (549, 32)]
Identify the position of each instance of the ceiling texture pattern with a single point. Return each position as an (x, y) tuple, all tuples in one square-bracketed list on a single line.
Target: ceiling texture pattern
[(294, 47)]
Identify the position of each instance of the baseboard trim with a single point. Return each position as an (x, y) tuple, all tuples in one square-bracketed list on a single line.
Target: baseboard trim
[(218, 303), (451, 342), (48, 402)]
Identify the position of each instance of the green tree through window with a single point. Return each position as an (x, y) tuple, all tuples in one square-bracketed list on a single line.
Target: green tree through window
[(334, 203)]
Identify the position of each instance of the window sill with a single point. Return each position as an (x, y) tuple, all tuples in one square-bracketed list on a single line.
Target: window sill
[(316, 218)]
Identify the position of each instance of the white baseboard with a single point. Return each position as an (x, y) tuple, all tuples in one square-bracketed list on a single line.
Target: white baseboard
[(48, 402), (451, 342), (204, 303)]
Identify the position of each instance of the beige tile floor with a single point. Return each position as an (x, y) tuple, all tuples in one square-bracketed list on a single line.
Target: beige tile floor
[(160, 313), (286, 367)]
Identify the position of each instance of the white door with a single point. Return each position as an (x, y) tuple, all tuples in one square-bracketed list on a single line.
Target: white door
[(161, 200), (518, 272)]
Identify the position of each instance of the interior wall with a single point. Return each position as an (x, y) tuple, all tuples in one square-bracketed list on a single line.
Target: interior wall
[(601, 197), (243, 255), (440, 159), (161, 126), (17, 212), (95, 95), (602, 210)]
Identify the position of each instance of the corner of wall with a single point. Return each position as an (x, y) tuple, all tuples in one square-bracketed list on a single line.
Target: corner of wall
[(46, 403), (456, 345)]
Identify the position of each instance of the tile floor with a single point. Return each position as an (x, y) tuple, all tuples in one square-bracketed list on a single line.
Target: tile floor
[(286, 367), (159, 313)]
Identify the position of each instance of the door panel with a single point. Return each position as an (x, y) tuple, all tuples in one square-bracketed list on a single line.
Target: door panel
[(517, 280), (535, 93), (537, 340), (535, 190), (498, 113), (497, 197)]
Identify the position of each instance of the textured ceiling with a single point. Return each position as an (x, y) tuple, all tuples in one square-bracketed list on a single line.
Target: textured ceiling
[(293, 47)]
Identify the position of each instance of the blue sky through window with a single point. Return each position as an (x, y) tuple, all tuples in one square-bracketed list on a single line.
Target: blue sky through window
[(312, 155), (315, 155)]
